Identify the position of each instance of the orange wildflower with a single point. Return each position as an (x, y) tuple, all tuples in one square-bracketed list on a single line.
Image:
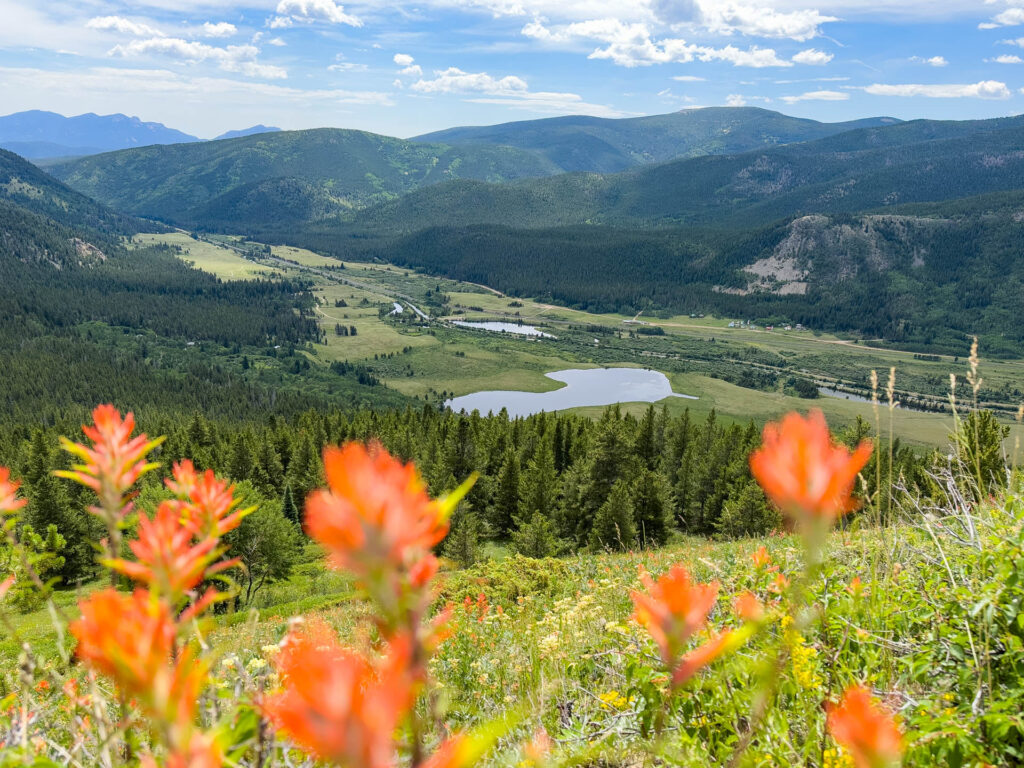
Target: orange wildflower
[(126, 637), (115, 461), (167, 560), (749, 608), (761, 558), (9, 501), (804, 472), (865, 729), (336, 703), (856, 587), (207, 503), (376, 513), (672, 611)]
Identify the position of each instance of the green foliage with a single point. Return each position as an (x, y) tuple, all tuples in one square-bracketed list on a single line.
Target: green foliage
[(505, 581), (462, 544), (266, 542), (614, 524), (536, 537)]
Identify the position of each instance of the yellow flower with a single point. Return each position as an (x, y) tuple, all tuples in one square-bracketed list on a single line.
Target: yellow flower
[(614, 700), (837, 758)]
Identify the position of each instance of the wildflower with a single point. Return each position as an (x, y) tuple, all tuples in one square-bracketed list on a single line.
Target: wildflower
[(115, 461), (167, 561), (338, 704), (856, 587), (376, 513), (126, 637), (804, 472), (761, 558), (865, 729), (205, 502), (672, 611), (748, 607), (9, 502)]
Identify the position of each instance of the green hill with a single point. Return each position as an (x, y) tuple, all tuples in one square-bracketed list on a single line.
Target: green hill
[(246, 180), (601, 145), (919, 161)]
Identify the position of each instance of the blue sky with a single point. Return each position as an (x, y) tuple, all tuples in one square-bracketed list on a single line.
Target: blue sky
[(402, 68)]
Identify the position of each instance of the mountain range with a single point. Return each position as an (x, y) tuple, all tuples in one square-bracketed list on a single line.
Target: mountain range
[(36, 134)]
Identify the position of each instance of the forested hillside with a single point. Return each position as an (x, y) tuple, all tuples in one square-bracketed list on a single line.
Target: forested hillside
[(196, 184), (83, 318), (603, 145)]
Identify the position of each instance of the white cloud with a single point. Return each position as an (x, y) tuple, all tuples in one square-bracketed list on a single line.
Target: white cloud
[(761, 21), (276, 41), (412, 71), (934, 61), (233, 58), (347, 66), (204, 106), (817, 96), (403, 59), (122, 26), (735, 100), (689, 79), (1006, 59), (221, 29), (986, 89), (631, 45), (507, 91), (289, 11), (1019, 42), (1011, 17), (813, 57)]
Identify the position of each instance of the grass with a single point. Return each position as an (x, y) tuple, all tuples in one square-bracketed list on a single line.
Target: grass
[(218, 260)]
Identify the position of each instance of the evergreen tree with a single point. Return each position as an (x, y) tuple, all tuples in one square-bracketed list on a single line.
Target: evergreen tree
[(540, 483), (748, 513), (241, 464), (289, 508), (652, 508), (462, 545), (506, 496), (536, 537), (614, 527), (268, 472)]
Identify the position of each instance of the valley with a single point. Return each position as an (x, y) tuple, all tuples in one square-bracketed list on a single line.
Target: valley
[(742, 373)]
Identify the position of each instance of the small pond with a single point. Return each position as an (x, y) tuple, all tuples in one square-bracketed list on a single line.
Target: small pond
[(597, 386), (497, 327)]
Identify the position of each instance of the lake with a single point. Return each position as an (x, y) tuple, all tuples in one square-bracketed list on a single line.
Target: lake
[(491, 325), (597, 386)]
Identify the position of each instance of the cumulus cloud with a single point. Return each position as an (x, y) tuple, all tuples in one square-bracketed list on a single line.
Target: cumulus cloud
[(1006, 59), (233, 58), (760, 21), (1011, 17), (986, 89), (735, 100), (403, 59), (221, 29), (934, 61), (813, 57), (817, 96), (508, 91), (291, 11), (122, 26), (632, 45)]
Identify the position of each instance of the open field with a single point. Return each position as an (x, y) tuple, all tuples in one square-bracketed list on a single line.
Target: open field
[(218, 260)]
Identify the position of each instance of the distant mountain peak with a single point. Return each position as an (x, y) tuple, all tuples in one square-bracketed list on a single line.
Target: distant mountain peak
[(248, 132)]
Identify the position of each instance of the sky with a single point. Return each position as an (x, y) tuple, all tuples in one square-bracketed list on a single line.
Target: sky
[(406, 67)]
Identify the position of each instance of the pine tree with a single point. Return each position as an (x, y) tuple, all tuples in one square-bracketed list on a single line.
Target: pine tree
[(268, 472), (652, 508), (506, 495), (289, 508), (540, 483), (536, 537), (462, 545), (613, 526), (241, 463)]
